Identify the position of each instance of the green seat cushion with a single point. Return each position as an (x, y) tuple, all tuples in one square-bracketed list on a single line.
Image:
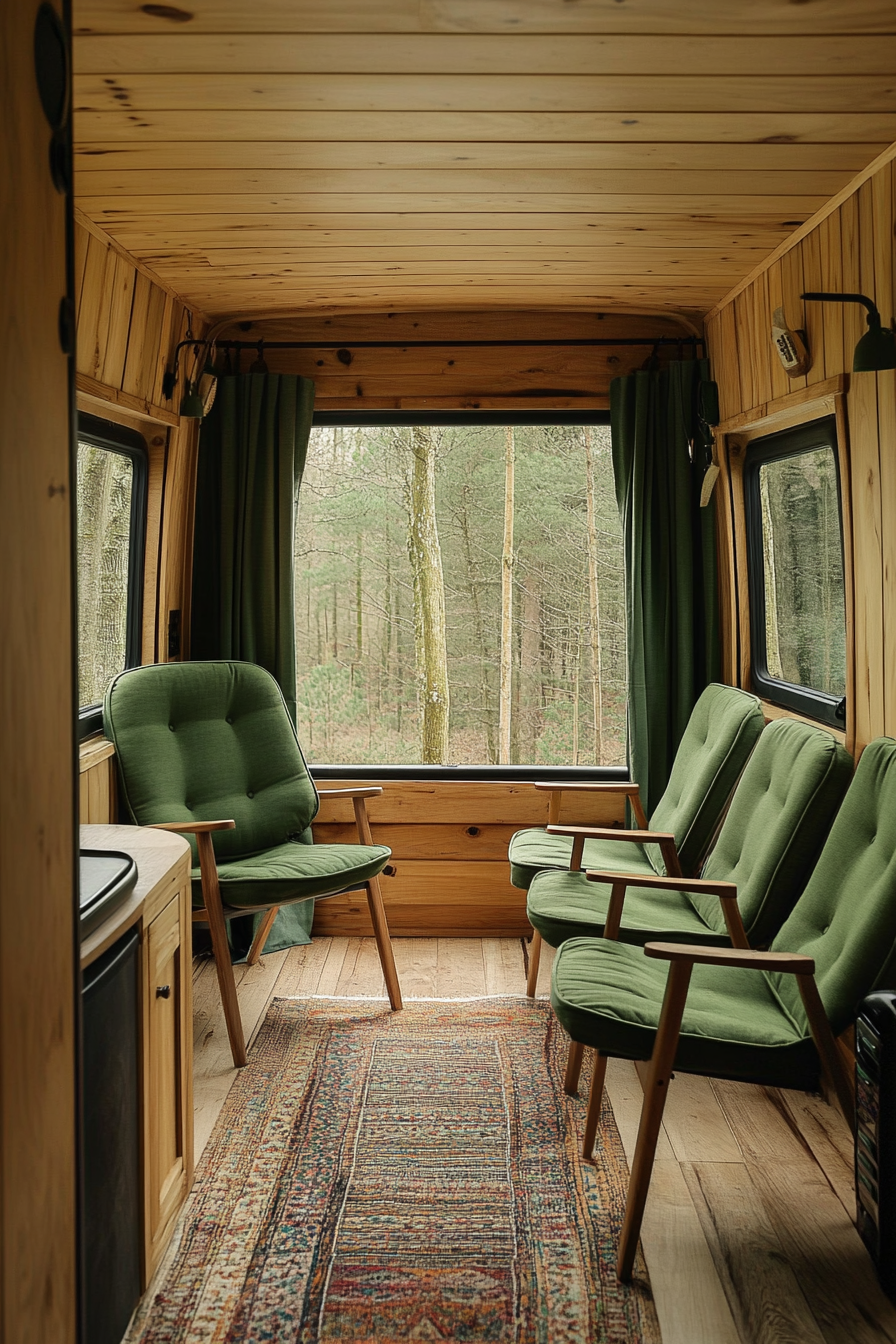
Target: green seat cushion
[(778, 821), (609, 995), (294, 872), (206, 742), (567, 905), (534, 850)]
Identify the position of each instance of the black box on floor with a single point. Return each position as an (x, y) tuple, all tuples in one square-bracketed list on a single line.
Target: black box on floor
[(875, 1147)]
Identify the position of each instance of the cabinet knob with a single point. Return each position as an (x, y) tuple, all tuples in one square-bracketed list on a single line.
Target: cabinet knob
[(163, 991)]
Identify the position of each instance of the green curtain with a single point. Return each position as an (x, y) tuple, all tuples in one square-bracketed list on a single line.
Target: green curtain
[(659, 459), (252, 450)]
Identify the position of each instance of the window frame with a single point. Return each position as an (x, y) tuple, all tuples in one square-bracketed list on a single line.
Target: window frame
[(793, 441), (114, 438), (558, 774)]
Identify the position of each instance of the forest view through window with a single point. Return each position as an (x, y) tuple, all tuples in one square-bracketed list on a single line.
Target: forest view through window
[(111, 507), (459, 597)]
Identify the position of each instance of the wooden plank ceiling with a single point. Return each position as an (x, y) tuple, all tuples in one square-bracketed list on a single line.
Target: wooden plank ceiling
[(277, 155)]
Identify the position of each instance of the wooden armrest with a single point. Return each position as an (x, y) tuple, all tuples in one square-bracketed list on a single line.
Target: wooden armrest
[(588, 788), (792, 962), (373, 791), (726, 891), (611, 833), (193, 827)]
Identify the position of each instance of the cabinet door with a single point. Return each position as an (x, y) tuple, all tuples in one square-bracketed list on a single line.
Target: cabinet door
[(167, 1075)]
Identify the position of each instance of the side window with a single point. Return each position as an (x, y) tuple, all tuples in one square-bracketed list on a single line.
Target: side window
[(111, 486), (795, 555)]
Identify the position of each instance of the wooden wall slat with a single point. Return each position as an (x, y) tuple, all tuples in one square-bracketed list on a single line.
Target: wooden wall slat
[(849, 251)]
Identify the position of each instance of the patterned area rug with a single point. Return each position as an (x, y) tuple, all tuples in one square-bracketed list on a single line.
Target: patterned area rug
[(380, 1177)]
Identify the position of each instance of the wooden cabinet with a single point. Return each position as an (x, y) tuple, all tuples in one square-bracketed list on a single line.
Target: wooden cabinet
[(161, 909), (166, 1074)]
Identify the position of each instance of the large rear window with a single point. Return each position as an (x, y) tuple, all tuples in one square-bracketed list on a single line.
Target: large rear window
[(480, 560)]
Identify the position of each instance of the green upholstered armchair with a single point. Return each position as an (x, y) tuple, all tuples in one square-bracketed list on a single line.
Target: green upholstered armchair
[(762, 858), (761, 1017), (723, 729), (209, 749)]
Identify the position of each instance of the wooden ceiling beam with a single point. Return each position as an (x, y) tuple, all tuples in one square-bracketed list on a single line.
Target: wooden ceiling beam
[(370, 54), (765, 17), (628, 95)]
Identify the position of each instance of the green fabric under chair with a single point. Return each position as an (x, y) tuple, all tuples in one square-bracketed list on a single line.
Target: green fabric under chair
[(767, 1018), (212, 742), (779, 815), (723, 729)]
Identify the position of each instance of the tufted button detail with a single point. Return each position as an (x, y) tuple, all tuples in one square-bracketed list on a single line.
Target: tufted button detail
[(250, 794), (825, 929), (171, 727), (229, 719)]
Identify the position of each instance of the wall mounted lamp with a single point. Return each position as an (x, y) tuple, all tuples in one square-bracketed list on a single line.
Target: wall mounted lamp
[(199, 389), (876, 350)]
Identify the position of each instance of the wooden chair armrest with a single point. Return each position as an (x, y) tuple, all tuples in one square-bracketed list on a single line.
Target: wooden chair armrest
[(627, 789), (611, 833), (373, 791), (726, 891), (193, 827), (793, 963)]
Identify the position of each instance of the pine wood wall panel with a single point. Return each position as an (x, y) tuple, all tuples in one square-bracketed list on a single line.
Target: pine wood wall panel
[(849, 250), (38, 1141), (129, 324), (448, 873)]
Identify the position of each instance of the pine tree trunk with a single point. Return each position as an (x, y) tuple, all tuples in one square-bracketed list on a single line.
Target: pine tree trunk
[(504, 693), (594, 602), (486, 712), (430, 639)]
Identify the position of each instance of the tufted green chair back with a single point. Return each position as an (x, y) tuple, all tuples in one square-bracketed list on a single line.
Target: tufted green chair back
[(846, 918), (206, 741), (778, 820), (723, 728)]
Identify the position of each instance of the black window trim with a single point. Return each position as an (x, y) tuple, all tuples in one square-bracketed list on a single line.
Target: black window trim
[(555, 774), (128, 443), (827, 709)]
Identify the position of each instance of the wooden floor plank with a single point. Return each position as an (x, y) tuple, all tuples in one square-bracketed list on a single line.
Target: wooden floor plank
[(762, 1124), (337, 948), (461, 971), (213, 1071), (690, 1302), (826, 1254), (827, 1134), (504, 968), (696, 1124), (361, 972), (624, 1092), (416, 960), (762, 1288), (302, 970)]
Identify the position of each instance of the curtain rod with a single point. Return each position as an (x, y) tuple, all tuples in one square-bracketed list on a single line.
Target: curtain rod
[(416, 345)]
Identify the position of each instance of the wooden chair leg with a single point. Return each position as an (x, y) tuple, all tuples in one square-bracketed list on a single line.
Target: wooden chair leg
[(652, 1109), (595, 1101), (573, 1069), (261, 936), (383, 943), (534, 959), (211, 895)]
